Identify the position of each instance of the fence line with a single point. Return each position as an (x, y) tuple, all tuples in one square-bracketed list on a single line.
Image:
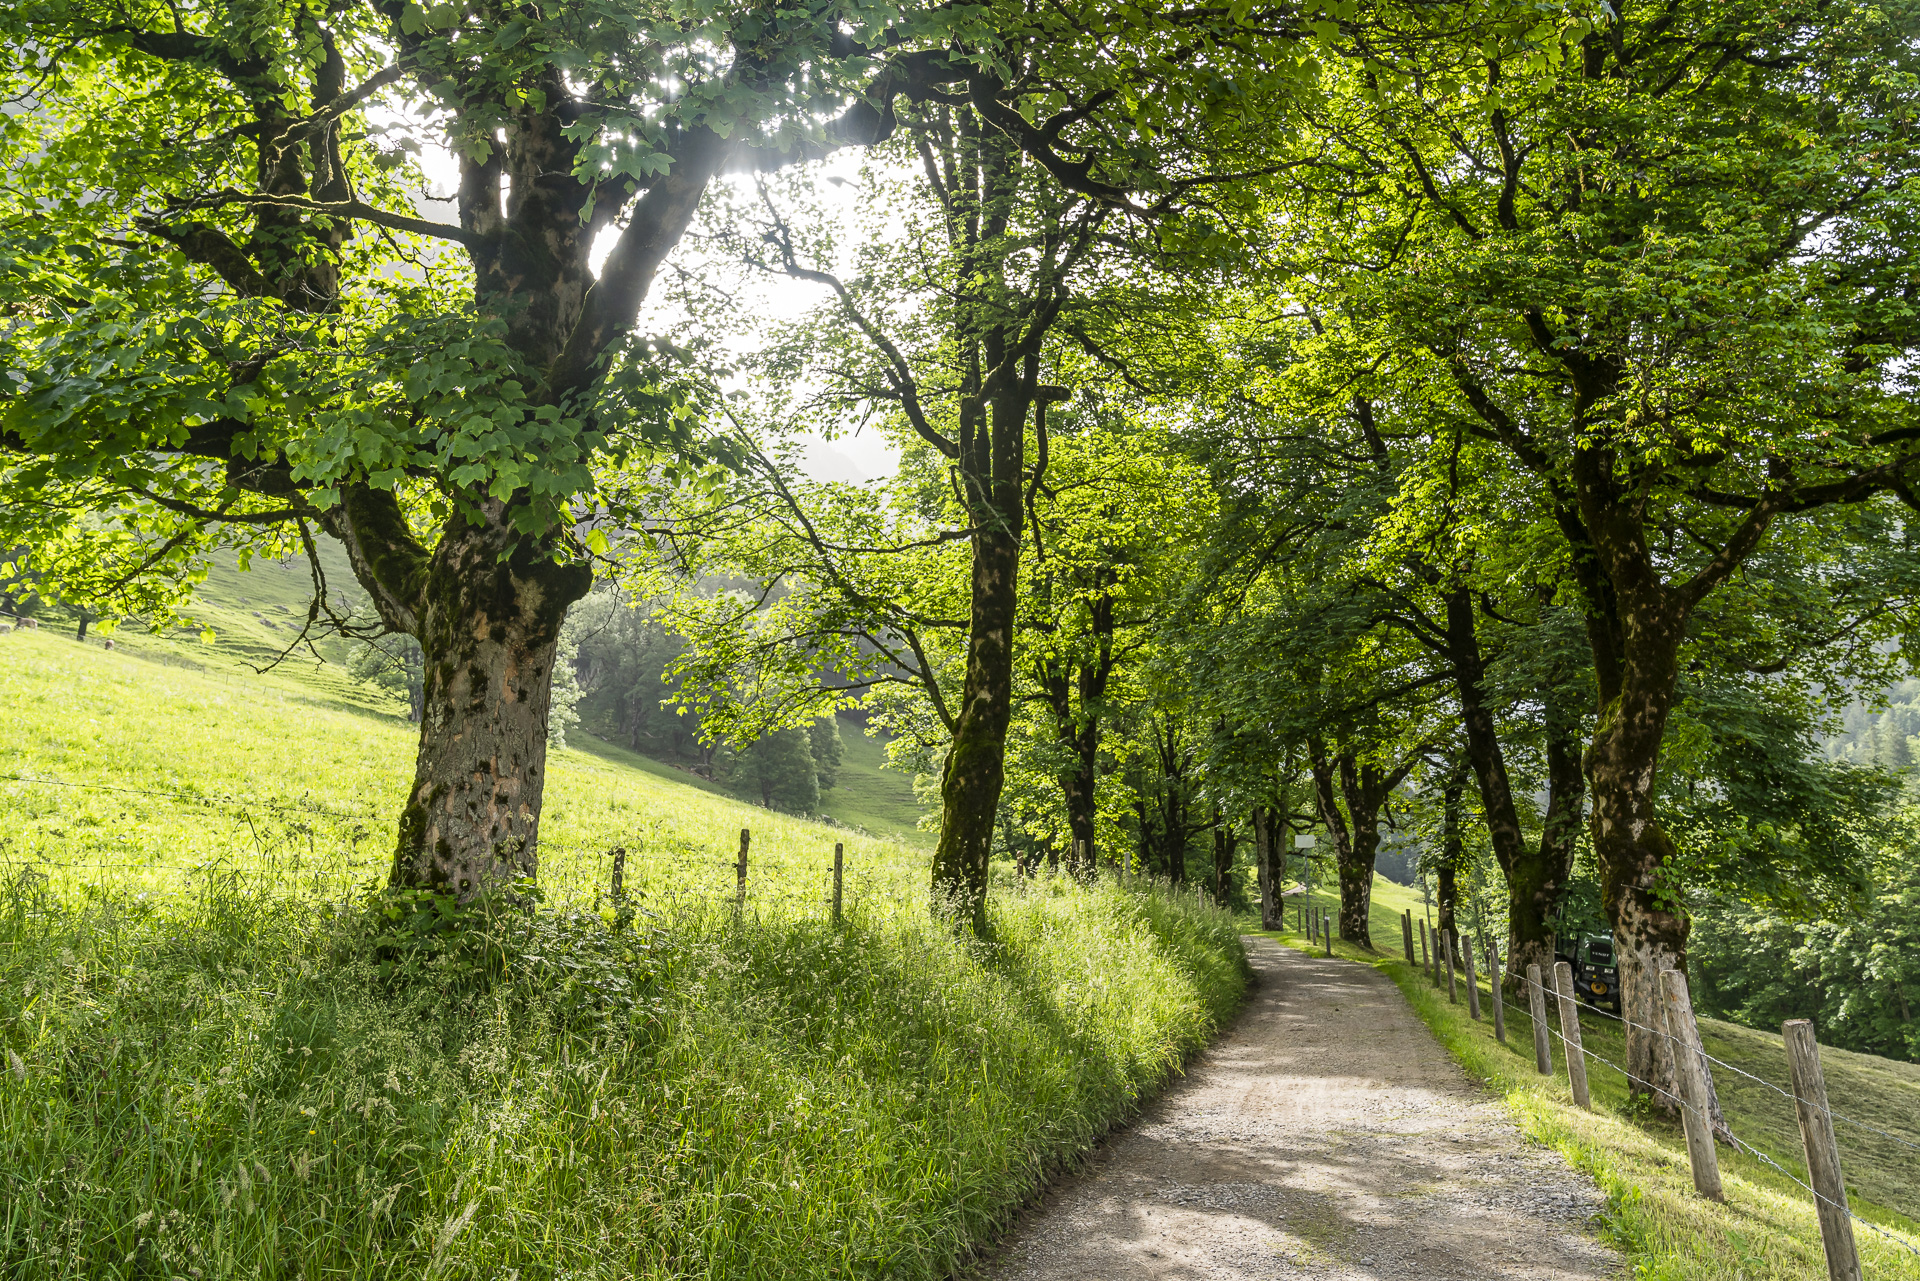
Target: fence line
[(1739, 1071), (1739, 1143), (196, 798), (285, 861)]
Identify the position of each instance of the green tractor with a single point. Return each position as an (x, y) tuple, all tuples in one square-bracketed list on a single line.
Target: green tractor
[(1596, 978)]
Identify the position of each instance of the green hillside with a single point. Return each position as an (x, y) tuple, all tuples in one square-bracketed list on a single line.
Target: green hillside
[(255, 616), (273, 774)]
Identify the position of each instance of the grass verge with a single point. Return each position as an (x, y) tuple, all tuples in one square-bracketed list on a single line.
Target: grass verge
[(219, 1058), (1765, 1231), (237, 1084)]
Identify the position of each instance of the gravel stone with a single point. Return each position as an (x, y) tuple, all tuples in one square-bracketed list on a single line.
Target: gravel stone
[(1325, 1136)]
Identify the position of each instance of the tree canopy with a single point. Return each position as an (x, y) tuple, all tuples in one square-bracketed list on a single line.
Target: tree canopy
[(1494, 422)]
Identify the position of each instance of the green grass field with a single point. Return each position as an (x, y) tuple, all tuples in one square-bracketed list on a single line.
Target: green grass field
[(872, 797), (1766, 1231), (120, 769), (255, 615), (224, 1058)]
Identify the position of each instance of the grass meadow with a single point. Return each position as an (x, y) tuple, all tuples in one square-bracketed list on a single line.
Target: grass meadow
[(225, 1057), (1766, 1230)]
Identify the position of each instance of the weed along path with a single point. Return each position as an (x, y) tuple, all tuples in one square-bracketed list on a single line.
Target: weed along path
[(1325, 1136)]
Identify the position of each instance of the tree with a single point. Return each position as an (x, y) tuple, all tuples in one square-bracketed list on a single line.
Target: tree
[(953, 338), (392, 662), (229, 320), (1112, 519), (780, 767), (1659, 258), (1352, 782), (823, 741)]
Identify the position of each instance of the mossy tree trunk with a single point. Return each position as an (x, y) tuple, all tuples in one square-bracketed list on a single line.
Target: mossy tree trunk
[(976, 762), (1536, 874), (1636, 625), (1073, 674), (1452, 853), (486, 606), (1363, 787)]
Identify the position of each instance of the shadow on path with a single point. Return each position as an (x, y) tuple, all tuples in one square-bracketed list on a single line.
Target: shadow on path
[(1325, 1136)]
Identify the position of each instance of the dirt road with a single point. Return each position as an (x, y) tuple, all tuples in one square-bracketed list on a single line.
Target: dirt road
[(1325, 1136)]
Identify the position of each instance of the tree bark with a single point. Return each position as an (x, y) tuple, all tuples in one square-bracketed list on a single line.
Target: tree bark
[(1364, 786), (1075, 688), (1536, 876), (1452, 847), (1636, 625), (976, 762), (1633, 851), (1225, 846), (490, 630), (1263, 861)]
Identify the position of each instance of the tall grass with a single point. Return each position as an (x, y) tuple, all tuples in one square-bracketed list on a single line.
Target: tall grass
[(115, 771), (235, 1081)]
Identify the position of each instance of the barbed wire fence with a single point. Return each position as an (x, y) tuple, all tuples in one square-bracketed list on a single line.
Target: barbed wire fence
[(1841, 1254)]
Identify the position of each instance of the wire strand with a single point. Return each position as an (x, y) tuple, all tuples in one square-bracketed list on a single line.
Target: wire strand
[(1739, 1143), (1739, 1071)]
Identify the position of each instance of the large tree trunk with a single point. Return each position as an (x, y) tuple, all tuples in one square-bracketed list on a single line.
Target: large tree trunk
[(1075, 692), (1353, 846), (1076, 790), (1536, 876), (1267, 874), (1082, 793), (1537, 886), (1364, 786), (1356, 869), (1650, 927), (976, 763), (490, 629), (1225, 847), (1452, 848)]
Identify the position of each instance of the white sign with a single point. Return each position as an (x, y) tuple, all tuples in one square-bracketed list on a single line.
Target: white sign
[(1303, 842)]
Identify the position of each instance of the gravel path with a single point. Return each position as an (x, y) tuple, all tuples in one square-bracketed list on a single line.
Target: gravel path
[(1325, 1136)]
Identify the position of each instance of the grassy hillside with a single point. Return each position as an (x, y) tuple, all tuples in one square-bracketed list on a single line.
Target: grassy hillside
[(255, 616), (1766, 1230), (872, 797), (265, 775), (221, 1059)]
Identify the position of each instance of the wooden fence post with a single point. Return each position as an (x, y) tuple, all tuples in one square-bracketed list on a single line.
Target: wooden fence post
[(1570, 1033), (1823, 1154), (1537, 1007), (1406, 934), (740, 868), (1499, 998), (1473, 982), (1684, 1034), (1326, 931), (1425, 965), (839, 856), (1446, 947)]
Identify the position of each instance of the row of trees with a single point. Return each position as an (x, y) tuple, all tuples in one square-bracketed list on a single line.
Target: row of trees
[(1313, 417)]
